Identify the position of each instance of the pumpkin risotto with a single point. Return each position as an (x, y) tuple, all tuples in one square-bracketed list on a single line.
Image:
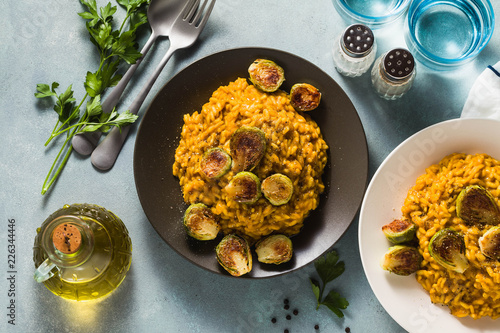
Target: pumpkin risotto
[(431, 205), (295, 148)]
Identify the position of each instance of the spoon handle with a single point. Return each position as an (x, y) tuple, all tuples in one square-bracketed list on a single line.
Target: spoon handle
[(105, 154), (84, 143)]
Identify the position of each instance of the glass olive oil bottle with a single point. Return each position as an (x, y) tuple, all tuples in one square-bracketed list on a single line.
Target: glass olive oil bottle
[(82, 252)]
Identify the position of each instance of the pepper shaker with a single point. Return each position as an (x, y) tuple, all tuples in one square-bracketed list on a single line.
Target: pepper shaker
[(393, 73), (355, 50)]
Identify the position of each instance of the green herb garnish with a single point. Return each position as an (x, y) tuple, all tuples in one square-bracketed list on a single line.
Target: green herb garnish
[(329, 268), (115, 46)]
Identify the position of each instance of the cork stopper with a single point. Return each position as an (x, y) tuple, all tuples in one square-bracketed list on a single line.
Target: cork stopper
[(67, 238)]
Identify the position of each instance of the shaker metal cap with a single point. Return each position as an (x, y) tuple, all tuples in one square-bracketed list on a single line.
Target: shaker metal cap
[(399, 64), (357, 40)]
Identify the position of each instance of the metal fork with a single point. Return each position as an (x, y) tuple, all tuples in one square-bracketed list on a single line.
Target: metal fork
[(185, 31)]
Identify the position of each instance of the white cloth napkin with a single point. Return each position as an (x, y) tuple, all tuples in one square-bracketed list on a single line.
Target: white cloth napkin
[(484, 97)]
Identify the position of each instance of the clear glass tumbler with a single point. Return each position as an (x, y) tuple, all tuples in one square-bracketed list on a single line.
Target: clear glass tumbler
[(373, 13), (444, 34)]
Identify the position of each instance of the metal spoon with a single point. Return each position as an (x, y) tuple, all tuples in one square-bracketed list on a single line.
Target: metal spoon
[(161, 15)]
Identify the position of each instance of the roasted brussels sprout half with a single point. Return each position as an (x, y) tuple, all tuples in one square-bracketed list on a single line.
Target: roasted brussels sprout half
[(247, 146), (200, 222), (475, 205), (399, 231), (275, 249), (277, 188), (215, 163), (304, 97), (233, 254), (266, 75), (244, 188), (402, 260), (489, 243), (447, 247)]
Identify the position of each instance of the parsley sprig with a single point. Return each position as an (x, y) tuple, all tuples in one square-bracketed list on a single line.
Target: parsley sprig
[(329, 268), (115, 46)]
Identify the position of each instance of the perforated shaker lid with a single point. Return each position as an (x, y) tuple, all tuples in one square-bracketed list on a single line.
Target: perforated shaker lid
[(399, 64), (357, 40)]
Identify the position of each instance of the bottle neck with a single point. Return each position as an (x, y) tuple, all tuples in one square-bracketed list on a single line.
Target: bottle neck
[(68, 241)]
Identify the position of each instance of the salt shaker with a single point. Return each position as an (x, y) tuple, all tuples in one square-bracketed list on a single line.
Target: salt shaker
[(393, 73), (355, 50)]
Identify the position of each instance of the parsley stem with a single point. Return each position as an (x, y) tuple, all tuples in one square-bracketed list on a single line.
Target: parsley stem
[(320, 298), (47, 183), (55, 127), (124, 21)]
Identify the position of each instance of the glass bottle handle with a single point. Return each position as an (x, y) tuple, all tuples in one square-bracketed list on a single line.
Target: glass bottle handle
[(45, 271)]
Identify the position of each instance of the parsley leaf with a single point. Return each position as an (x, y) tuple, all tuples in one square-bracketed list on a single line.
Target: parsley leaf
[(64, 105), (114, 48), (93, 84), (124, 47), (92, 12), (107, 12), (44, 90), (94, 107), (131, 5), (108, 76), (335, 302), (64, 102), (329, 268), (107, 120)]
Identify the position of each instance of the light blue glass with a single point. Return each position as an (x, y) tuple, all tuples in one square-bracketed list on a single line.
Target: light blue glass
[(444, 34), (373, 13)]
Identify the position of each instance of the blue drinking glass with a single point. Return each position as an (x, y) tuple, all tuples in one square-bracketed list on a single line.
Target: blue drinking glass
[(444, 34), (373, 13)]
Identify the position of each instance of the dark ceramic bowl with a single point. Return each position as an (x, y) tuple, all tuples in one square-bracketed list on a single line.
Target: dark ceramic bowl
[(345, 175)]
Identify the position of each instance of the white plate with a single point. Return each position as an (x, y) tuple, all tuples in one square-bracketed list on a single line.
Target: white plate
[(403, 297)]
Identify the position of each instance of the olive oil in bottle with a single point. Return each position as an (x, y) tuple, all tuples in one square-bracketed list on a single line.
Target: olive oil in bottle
[(82, 252)]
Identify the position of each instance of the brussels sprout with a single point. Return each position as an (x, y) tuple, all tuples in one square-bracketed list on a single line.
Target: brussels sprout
[(402, 260), (215, 163), (476, 205), (489, 243), (244, 188), (277, 188), (200, 222), (275, 249), (266, 75), (447, 247), (399, 231), (304, 97), (247, 145), (233, 254)]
